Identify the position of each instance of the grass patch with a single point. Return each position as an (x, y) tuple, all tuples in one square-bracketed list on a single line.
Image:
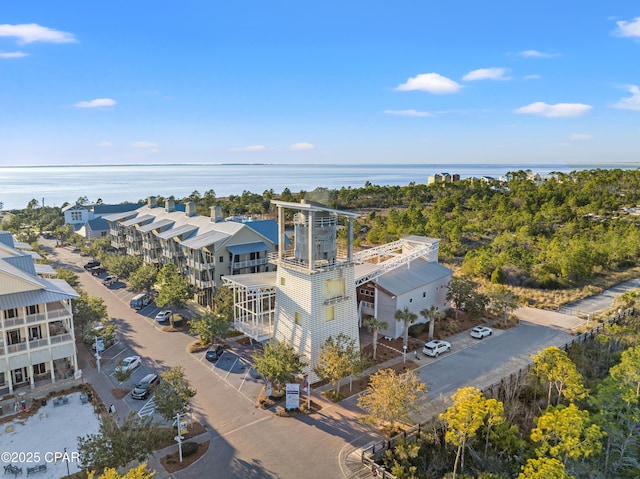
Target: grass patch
[(197, 347)]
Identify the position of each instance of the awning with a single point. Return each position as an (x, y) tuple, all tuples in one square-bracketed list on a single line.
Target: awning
[(245, 248)]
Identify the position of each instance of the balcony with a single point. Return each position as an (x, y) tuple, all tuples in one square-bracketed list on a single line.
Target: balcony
[(11, 322), (16, 348), (200, 265), (34, 318), (38, 343), (61, 338), (248, 264), (58, 313)]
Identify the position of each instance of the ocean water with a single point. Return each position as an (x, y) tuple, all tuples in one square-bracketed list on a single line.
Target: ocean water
[(56, 185)]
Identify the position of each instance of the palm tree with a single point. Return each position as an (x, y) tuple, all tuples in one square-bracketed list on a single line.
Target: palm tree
[(407, 317), (432, 315), (374, 325)]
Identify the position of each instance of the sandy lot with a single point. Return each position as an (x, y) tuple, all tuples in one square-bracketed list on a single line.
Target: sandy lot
[(43, 437)]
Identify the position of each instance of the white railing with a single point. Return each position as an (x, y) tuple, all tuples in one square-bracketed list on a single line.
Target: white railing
[(60, 338), (38, 343), (14, 348), (34, 318), (58, 313), (248, 263), (9, 322)]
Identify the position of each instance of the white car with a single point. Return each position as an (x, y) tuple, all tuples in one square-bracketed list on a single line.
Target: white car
[(435, 347), (129, 364), (480, 332), (109, 280), (163, 316)]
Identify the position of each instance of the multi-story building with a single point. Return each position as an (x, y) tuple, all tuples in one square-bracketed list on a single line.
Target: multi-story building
[(205, 248), (37, 344), (87, 219)]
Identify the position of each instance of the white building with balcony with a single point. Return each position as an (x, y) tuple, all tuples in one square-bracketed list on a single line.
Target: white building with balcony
[(205, 248), (37, 344)]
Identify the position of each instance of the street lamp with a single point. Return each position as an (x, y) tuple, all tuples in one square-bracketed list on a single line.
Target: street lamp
[(404, 353)]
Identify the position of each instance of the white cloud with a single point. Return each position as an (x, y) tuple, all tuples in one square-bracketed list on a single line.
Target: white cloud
[(532, 77), (628, 29), (486, 74), (579, 136), (105, 144), (301, 146), (143, 144), (430, 82), (32, 32), (250, 148), (408, 113), (559, 110), (630, 103), (537, 54), (97, 103), (12, 54)]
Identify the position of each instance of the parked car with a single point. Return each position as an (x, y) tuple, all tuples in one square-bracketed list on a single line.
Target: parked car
[(163, 316), (143, 388), (214, 353), (435, 347), (92, 264), (139, 301), (480, 332), (109, 280), (129, 363), (97, 270)]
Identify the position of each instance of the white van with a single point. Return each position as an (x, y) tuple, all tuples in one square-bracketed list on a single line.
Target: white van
[(140, 301)]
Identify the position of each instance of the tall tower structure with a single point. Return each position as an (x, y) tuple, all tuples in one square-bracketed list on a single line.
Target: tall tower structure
[(315, 284)]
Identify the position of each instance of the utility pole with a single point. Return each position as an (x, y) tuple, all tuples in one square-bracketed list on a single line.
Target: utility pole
[(97, 353), (179, 437)]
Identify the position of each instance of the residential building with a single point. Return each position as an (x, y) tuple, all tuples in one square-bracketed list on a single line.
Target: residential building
[(205, 248), (442, 178), (37, 344), (87, 219)]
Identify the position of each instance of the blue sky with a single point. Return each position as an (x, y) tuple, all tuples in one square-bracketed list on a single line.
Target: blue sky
[(319, 82)]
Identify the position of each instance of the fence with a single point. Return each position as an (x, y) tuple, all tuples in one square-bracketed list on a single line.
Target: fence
[(374, 453)]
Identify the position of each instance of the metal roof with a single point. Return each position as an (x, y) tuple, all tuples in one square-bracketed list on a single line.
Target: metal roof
[(244, 248), (253, 280), (267, 228), (313, 207), (28, 298), (44, 269), (417, 274), (180, 230), (120, 216), (137, 220), (155, 225), (206, 239)]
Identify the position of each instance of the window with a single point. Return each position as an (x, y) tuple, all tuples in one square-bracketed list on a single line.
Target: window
[(76, 215), (329, 313), (2, 379), (424, 294), (282, 281), (11, 313), (298, 319), (221, 259), (334, 288), (33, 309), (34, 332), (13, 337), (411, 300), (39, 368)]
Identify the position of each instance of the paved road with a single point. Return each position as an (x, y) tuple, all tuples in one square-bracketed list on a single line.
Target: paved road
[(605, 299), (248, 442)]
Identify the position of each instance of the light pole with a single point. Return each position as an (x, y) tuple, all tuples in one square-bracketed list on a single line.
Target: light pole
[(404, 353), (179, 437), (97, 353)]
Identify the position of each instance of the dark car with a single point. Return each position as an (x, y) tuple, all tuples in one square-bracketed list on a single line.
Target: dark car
[(97, 270), (92, 264), (215, 352), (143, 388)]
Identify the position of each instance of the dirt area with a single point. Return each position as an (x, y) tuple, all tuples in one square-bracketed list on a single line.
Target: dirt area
[(171, 462), (119, 393)]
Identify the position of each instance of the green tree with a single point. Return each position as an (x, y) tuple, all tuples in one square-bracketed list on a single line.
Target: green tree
[(122, 266), (407, 317), (116, 446), (173, 394), (544, 468), (391, 398), (462, 420), (494, 415), (374, 325), (143, 278), (552, 366), (69, 276), (565, 432), (432, 315), (174, 289), (460, 291), (279, 363), (502, 301), (627, 374), (223, 302), (338, 359), (209, 327), (88, 310)]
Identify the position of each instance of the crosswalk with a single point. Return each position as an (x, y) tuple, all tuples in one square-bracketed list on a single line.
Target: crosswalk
[(148, 409)]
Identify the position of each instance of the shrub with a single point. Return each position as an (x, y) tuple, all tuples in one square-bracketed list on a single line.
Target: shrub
[(189, 448), (415, 330)]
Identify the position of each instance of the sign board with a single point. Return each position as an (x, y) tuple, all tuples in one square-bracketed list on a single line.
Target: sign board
[(99, 345), (293, 396)]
